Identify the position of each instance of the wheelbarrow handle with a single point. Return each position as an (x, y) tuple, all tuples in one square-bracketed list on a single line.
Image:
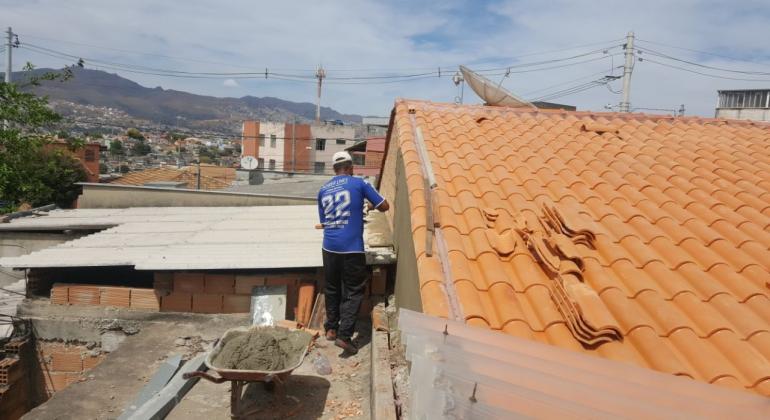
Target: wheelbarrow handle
[(204, 375)]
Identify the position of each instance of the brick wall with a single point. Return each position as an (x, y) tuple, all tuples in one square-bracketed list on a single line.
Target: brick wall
[(250, 146), (63, 364)]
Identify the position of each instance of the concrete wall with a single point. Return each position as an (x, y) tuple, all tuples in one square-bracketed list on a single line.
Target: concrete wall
[(122, 196), (270, 151), (331, 133), (754, 114), (407, 284), (14, 244)]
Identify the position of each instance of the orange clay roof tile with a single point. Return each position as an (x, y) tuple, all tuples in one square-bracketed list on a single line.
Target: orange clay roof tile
[(679, 210)]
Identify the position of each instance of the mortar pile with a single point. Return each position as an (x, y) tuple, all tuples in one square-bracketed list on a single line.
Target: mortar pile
[(262, 349)]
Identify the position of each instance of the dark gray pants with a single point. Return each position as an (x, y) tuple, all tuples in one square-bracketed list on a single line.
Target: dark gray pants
[(345, 276)]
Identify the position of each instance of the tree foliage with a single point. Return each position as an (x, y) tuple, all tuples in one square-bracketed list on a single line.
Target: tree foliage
[(134, 134), (31, 171), (140, 148), (116, 147)]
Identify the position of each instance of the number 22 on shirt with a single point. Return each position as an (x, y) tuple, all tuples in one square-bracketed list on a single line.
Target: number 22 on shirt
[(336, 211)]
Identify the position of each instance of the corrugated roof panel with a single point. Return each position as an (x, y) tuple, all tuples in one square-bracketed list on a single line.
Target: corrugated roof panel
[(176, 238)]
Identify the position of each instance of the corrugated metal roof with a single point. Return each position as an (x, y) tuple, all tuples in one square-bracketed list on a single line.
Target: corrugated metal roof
[(179, 238)]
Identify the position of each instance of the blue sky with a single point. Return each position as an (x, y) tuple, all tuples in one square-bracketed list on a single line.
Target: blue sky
[(367, 37)]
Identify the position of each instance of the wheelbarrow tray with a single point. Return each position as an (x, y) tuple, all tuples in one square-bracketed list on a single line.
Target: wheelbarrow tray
[(249, 375)]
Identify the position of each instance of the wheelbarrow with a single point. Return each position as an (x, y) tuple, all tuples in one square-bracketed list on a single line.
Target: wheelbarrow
[(239, 378)]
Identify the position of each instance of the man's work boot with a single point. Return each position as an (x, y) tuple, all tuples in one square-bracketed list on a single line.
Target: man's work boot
[(347, 345), (331, 335)]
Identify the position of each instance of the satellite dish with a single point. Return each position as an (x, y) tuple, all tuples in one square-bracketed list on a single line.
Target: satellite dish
[(249, 162), (492, 93)]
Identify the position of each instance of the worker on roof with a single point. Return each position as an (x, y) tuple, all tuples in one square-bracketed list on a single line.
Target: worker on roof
[(341, 210)]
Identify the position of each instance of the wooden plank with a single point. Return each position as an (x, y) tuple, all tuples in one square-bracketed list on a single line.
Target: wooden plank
[(383, 404), (164, 401)]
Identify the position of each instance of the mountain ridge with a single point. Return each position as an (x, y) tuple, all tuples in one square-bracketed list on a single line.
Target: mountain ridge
[(97, 88)]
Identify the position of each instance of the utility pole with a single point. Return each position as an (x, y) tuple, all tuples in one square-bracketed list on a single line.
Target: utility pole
[(8, 49), (628, 67), (320, 74)]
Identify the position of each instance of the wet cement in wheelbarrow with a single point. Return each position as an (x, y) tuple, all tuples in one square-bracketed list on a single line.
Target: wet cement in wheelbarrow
[(264, 349)]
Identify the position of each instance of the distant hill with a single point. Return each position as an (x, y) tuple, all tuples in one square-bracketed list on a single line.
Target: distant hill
[(97, 88)]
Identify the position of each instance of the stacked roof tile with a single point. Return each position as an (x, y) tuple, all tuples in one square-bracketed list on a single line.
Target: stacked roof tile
[(637, 238)]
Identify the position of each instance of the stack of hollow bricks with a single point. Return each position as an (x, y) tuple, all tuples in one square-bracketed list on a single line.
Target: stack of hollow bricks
[(121, 297), (63, 364), (14, 381), (203, 292)]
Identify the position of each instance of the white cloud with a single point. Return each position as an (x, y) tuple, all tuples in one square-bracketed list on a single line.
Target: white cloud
[(294, 37), (230, 83)]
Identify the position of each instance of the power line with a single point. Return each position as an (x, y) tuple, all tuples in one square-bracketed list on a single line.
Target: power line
[(696, 51), (715, 76), (666, 56)]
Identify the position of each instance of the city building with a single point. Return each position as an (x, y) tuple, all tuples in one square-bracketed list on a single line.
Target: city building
[(291, 147), (749, 104), (367, 156)]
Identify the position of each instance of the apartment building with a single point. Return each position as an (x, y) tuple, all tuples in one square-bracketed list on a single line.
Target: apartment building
[(291, 147)]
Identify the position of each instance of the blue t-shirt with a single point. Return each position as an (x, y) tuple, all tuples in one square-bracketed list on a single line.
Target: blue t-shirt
[(341, 210)]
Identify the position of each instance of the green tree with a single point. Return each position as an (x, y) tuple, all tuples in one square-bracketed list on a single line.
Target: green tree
[(103, 169), (140, 148), (30, 171), (116, 148), (134, 134)]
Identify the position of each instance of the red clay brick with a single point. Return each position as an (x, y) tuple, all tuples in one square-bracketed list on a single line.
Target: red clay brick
[(55, 381), (114, 296), (59, 294), (80, 294), (163, 281), (281, 279), (379, 281), (145, 299), (66, 361), (219, 283), (207, 304), (236, 304), (90, 362), (244, 284), (176, 302), (188, 282)]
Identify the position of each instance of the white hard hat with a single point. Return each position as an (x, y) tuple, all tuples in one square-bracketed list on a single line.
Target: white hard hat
[(341, 157)]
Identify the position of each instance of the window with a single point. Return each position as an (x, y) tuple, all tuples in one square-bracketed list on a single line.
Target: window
[(260, 163), (261, 140), (90, 155), (272, 141), (319, 167), (341, 141), (320, 144), (272, 164), (359, 159)]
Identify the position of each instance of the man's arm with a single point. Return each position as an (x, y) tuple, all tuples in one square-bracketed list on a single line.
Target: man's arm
[(376, 201)]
